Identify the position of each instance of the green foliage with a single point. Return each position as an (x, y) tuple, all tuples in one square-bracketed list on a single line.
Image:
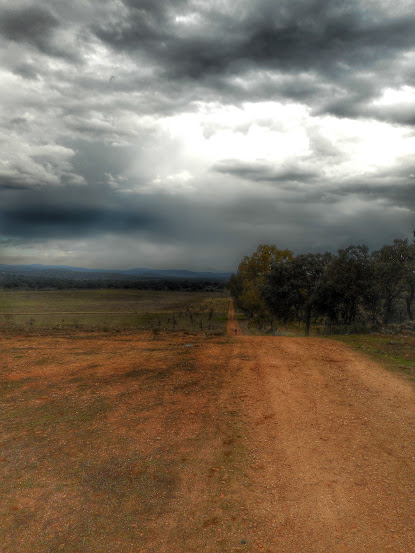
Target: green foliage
[(294, 290), (354, 289), (395, 277), (348, 285), (246, 285)]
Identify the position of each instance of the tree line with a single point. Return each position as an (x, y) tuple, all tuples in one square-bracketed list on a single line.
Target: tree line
[(82, 281), (353, 290)]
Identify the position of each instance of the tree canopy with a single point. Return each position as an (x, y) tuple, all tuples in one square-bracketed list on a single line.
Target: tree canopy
[(354, 287), (247, 284)]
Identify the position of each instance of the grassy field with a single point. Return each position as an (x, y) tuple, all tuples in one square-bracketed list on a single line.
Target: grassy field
[(395, 352), (113, 310)]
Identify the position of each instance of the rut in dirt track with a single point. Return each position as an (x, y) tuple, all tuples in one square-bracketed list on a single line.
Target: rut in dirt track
[(333, 440)]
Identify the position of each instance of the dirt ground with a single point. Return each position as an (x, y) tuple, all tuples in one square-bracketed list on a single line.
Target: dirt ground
[(334, 437), (188, 443)]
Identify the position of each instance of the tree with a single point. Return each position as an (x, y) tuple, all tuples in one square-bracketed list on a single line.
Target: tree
[(250, 278), (235, 285), (391, 272), (409, 278), (348, 285), (353, 286), (294, 289)]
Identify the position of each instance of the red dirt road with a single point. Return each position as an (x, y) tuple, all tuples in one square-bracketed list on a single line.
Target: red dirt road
[(333, 437), (190, 443)]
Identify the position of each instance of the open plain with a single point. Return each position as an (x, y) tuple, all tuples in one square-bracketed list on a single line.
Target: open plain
[(157, 441)]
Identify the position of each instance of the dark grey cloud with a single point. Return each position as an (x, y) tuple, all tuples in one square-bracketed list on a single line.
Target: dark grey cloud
[(395, 188), (390, 192), (260, 172), (74, 221), (355, 106), (335, 56), (313, 42), (95, 95), (335, 41), (26, 70), (76, 213), (30, 23), (42, 28), (201, 233)]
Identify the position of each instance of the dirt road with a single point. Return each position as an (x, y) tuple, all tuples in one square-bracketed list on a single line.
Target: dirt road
[(333, 437), (189, 443)]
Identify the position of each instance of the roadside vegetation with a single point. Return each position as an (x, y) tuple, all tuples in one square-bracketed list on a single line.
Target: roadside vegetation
[(395, 352), (353, 291)]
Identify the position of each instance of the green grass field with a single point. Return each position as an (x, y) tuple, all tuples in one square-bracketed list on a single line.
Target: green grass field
[(396, 352), (113, 310)]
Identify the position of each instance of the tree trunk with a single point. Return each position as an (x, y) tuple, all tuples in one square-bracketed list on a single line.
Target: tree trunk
[(409, 299), (388, 310), (308, 321), (409, 308)]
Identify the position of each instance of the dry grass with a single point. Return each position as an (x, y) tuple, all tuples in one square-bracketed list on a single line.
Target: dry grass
[(112, 310)]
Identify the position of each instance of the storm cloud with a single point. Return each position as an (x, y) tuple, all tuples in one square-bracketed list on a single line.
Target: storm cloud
[(166, 133)]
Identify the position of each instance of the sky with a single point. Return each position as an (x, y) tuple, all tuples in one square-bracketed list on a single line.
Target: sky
[(183, 133)]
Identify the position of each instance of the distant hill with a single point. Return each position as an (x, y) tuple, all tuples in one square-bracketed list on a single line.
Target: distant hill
[(175, 273), (138, 272)]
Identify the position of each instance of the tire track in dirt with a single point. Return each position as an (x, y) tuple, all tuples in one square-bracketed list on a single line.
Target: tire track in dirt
[(332, 439)]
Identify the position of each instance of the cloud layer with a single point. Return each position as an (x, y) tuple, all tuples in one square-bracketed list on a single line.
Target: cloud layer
[(167, 133)]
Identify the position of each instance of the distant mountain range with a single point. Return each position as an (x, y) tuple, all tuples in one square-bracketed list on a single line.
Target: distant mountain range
[(139, 272)]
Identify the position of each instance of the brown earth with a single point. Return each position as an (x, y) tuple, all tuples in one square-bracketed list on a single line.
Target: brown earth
[(333, 440), (188, 443)]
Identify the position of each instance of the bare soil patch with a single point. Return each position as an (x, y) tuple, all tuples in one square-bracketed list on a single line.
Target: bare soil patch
[(333, 439), (118, 443)]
